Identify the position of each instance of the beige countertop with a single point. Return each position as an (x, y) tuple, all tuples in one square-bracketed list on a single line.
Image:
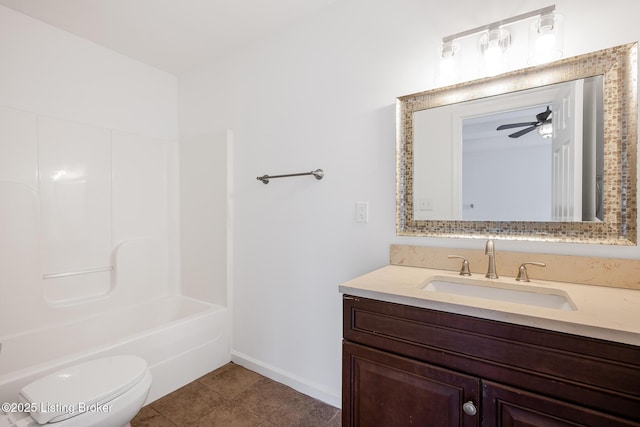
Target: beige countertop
[(611, 314)]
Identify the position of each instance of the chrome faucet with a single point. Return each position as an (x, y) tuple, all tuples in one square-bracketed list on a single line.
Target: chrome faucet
[(489, 249)]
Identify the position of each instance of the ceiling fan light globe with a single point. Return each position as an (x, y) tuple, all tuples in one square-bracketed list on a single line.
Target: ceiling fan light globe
[(546, 130)]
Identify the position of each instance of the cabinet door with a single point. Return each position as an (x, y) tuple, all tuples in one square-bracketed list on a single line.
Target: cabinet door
[(382, 389), (509, 407)]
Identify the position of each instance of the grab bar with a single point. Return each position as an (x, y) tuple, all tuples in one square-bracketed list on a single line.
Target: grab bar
[(318, 173), (75, 273)]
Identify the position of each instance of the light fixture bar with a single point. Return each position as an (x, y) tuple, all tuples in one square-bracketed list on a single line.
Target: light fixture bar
[(497, 24)]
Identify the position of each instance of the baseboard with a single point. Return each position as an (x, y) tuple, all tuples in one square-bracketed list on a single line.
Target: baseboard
[(300, 384)]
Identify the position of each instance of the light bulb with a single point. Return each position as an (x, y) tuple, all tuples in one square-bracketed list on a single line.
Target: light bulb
[(493, 45), (545, 42), (493, 54), (545, 39), (448, 65)]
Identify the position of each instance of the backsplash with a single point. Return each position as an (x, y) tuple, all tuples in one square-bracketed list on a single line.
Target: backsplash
[(612, 272)]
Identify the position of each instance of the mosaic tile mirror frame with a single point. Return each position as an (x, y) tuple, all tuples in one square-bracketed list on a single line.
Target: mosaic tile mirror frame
[(618, 66)]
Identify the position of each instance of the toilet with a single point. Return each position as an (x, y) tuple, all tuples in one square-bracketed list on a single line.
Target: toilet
[(106, 392)]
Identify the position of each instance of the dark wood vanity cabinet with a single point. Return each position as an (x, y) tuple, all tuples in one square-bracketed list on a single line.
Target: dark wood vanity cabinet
[(408, 366)]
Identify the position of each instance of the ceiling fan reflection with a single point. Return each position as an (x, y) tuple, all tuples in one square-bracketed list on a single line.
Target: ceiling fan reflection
[(542, 119)]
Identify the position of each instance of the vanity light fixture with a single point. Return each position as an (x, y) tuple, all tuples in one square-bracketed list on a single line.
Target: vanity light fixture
[(545, 43)]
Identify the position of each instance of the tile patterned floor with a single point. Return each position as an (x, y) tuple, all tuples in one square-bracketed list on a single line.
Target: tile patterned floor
[(233, 396)]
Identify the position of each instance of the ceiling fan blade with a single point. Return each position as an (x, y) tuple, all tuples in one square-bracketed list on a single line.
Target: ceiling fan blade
[(515, 125), (522, 132)]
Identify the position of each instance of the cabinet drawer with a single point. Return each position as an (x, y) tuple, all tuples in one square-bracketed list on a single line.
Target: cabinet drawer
[(588, 372)]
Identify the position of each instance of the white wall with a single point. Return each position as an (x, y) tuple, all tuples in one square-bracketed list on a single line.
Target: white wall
[(321, 94), (48, 71), (68, 104)]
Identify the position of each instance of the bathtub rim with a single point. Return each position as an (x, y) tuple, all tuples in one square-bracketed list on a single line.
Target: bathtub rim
[(68, 359)]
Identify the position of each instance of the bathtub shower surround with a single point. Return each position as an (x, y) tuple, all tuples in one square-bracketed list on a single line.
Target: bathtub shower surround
[(83, 220), (84, 256), (74, 190)]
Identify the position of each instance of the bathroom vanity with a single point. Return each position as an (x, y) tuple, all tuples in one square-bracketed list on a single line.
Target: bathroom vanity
[(423, 346), (412, 356)]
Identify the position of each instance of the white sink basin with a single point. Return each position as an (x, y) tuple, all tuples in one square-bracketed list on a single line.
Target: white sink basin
[(499, 291)]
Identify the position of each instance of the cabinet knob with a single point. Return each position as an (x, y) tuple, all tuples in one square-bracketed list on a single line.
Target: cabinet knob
[(469, 408)]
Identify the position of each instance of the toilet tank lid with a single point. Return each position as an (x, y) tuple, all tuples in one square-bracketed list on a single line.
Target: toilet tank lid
[(82, 387)]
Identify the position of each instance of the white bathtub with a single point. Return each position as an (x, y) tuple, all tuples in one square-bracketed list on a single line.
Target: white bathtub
[(180, 338)]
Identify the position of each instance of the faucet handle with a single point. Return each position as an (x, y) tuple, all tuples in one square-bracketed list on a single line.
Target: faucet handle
[(464, 270), (522, 271)]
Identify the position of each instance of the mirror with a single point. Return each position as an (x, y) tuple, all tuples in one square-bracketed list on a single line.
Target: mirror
[(460, 174)]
